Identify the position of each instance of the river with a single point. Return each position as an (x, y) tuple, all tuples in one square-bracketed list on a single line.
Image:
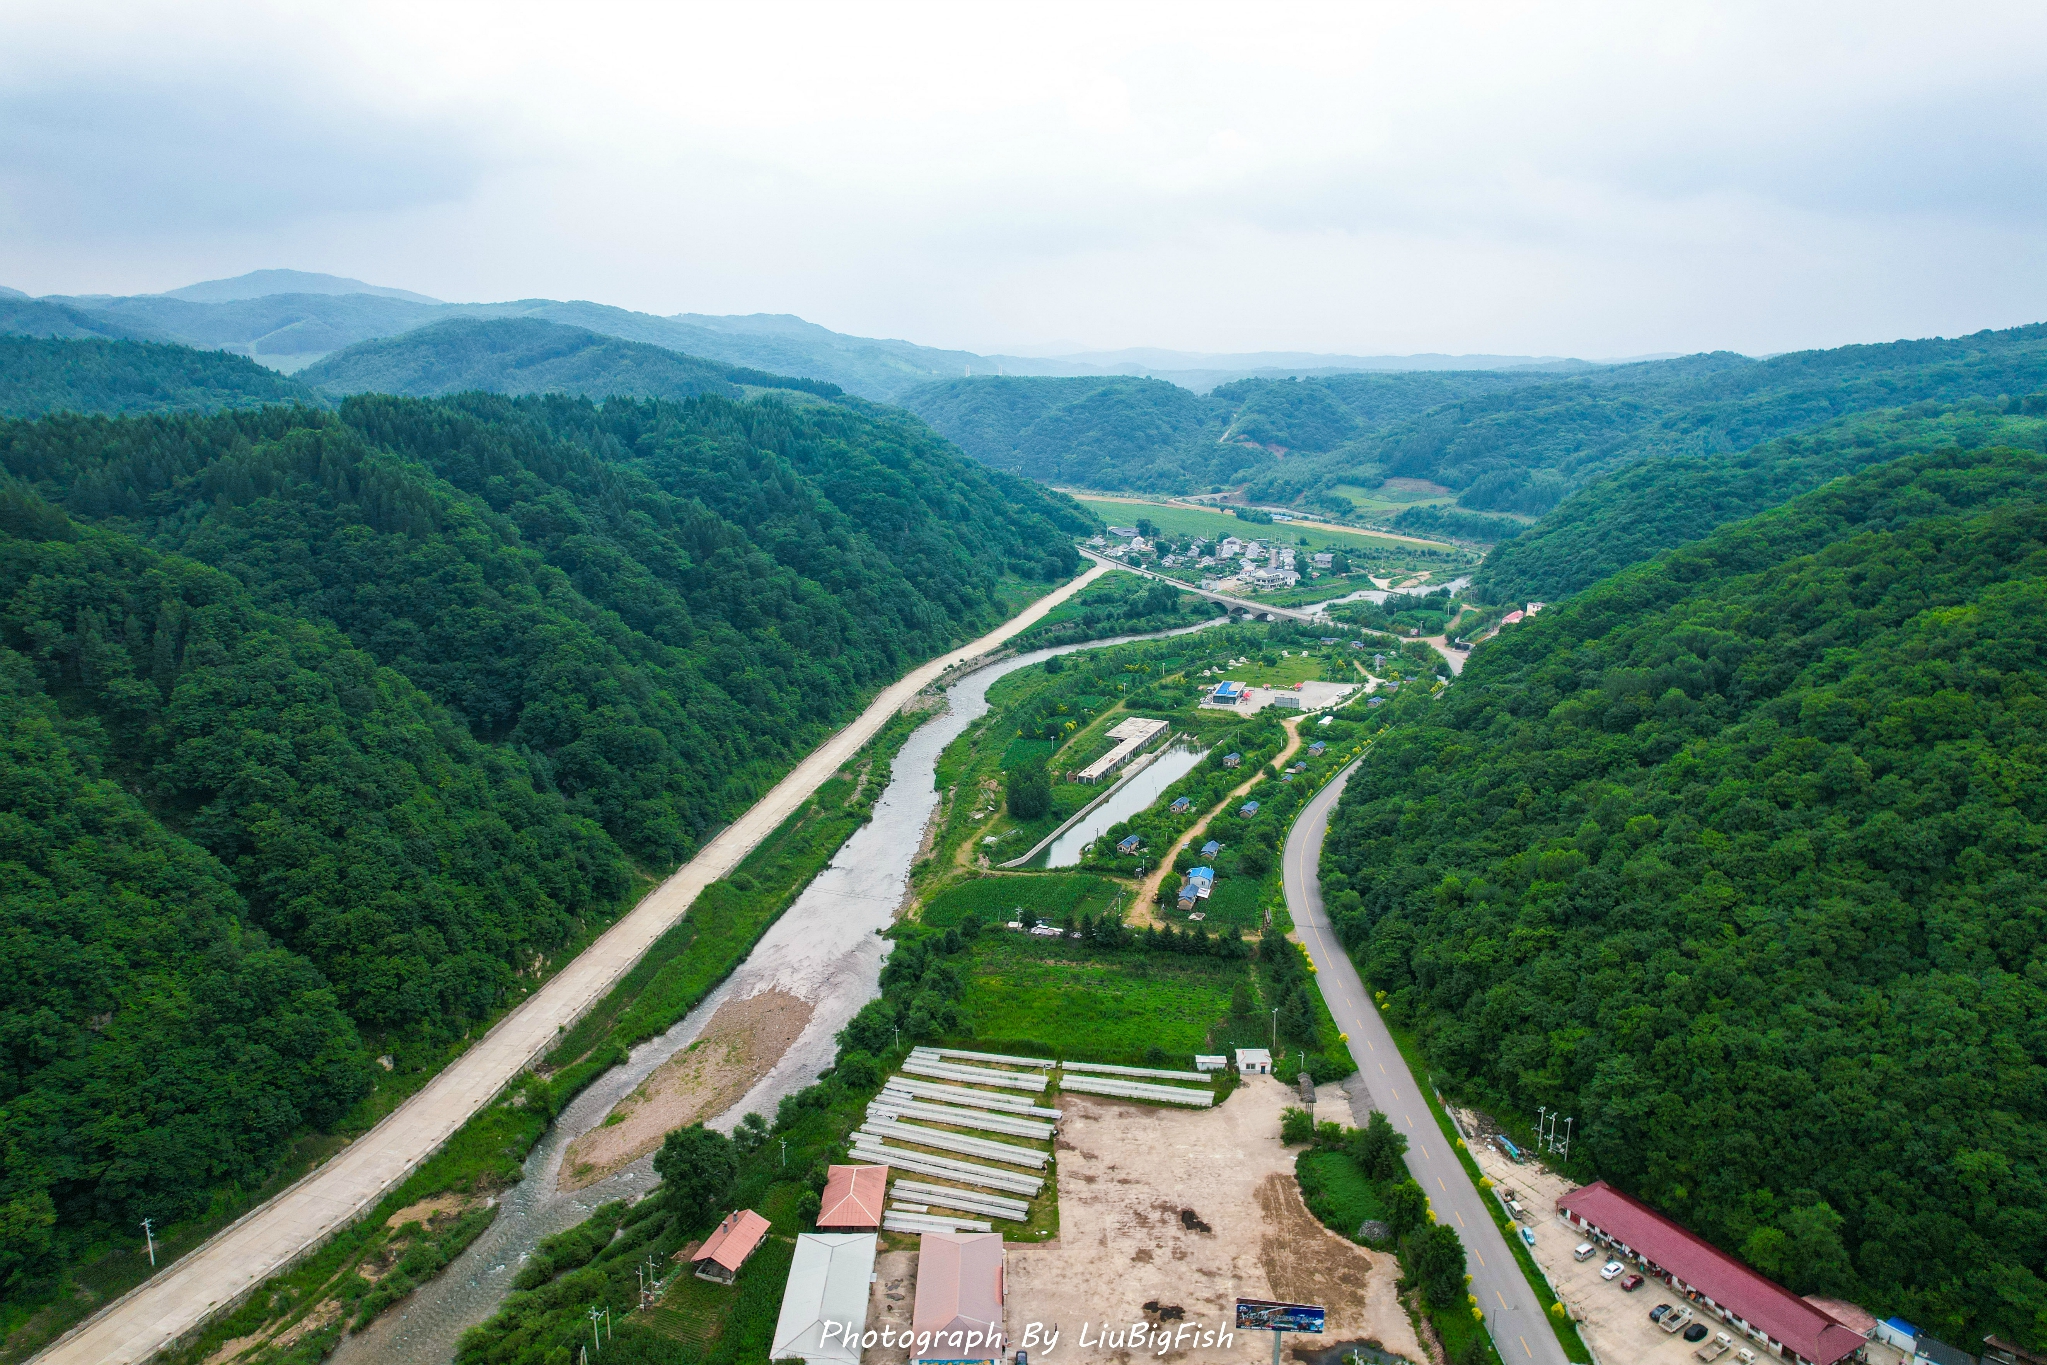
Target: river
[(1127, 800), (826, 948)]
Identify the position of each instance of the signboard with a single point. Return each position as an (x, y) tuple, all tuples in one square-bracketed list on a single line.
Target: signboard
[(1262, 1315)]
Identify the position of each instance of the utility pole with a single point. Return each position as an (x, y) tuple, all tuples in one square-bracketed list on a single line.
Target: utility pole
[(1566, 1153), (595, 1340), (1539, 1112), (785, 1151), (1275, 1030), (149, 1236)]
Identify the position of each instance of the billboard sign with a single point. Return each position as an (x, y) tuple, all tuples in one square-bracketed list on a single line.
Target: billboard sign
[(1262, 1315)]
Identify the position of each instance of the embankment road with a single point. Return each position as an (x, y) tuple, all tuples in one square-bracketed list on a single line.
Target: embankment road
[(271, 1237)]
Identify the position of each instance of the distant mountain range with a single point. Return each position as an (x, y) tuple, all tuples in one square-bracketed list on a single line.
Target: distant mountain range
[(289, 319)]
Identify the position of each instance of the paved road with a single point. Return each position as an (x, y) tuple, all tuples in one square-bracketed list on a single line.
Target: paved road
[(1513, 1312), (1235, 603), (270, 1237)]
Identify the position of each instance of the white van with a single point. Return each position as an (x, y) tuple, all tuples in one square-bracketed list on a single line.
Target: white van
[(1583, 1252)]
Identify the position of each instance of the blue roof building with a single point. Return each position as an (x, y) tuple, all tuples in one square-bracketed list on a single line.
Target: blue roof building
[(1129, 844), (1248, 809), (1182, 804), (1229, 693), (1210, 849)]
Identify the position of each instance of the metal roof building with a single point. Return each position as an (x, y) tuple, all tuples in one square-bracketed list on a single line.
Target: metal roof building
[(726, 1249), (959, 1294), (824, 1307), (854, 1197), (1770, 1314)]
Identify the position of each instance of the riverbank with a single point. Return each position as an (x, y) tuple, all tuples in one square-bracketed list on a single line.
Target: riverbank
[(218, 1275)]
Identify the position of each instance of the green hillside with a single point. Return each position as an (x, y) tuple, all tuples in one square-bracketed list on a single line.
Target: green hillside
[(39, 376), (1629, 515), (514, 356), (24, 316), (1736, 858), (324, 728)]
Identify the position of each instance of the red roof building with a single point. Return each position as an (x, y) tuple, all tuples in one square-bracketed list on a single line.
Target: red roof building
[(959, 1295), (725, 1250), (1769, 1313), (854, 1197)]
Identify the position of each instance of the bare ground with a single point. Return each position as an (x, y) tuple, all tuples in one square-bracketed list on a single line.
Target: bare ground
[(1129, 1177), (738, 1046)]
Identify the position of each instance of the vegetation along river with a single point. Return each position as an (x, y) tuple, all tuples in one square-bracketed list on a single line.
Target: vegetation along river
[(824, 955)]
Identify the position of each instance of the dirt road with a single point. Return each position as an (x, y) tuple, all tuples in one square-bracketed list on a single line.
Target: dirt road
[(1148, 890), (269, 1238)]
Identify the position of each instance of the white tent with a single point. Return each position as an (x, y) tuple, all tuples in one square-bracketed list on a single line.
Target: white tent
[(824, 1308)]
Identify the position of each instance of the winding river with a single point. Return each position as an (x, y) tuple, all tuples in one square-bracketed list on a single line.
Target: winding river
[(826, 948)]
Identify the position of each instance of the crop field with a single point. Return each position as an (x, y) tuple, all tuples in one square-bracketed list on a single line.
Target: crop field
[(996, 899), (1021, 993), (1177, 520)]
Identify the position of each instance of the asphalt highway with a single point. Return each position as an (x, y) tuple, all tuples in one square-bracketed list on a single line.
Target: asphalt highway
[(1514, 1315)]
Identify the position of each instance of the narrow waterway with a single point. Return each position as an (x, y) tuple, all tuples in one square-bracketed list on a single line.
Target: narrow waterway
[(826, 948), (1127, 800)]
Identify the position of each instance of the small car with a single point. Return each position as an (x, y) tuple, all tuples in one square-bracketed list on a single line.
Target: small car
[(1659, 1312), (1696, 1332), (1528, 1235), (1611, 1270), (1631, 1283)]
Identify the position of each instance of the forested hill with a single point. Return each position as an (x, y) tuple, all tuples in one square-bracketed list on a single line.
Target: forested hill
[(1514, 442), (1654, 504), (1522, 450), (1148, 434), (320, 726), (1736, 857), (527, 355), (39, 376)]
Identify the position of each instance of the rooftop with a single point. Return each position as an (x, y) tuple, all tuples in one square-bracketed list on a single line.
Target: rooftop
[(734, 1240), (854, 1197), (959, 1289), (827, 1284), (1766, 1305)]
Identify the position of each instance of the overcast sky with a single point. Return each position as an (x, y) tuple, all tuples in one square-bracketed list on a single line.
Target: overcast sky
[(1374, 179)]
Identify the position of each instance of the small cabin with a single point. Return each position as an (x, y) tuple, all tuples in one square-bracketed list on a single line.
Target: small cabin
[(726, 1249), (1248, 809), (1254, 1061), (1129, 844), (1233, 760), (1181, 805)]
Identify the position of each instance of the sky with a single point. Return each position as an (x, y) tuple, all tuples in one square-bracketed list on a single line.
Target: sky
[(1556, 179)]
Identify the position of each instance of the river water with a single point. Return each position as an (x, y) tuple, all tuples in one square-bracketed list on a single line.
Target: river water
[(826, 948)]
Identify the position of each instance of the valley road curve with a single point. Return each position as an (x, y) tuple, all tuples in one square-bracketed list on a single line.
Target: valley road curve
[(269, 1238), (1513, 1313)]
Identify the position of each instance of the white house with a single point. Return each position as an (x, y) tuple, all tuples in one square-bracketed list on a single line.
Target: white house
[(1254, 1061)]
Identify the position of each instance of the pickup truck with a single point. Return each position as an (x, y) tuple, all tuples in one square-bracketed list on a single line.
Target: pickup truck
[(1675, 1320), (1716, 1348)]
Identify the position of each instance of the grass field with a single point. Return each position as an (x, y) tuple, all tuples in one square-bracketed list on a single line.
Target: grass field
[(1192, 521), (997, 899), (1022, 992), (1336, 1191)]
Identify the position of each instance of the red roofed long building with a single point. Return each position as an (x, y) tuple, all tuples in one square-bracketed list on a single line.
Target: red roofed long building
[(726, 1249), (854, 1197), (1768, 1312)]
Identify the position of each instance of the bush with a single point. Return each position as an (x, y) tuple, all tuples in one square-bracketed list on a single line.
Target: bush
[(1296, 1126)]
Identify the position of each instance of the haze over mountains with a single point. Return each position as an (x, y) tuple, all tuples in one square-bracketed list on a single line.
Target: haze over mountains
[(288, 319)]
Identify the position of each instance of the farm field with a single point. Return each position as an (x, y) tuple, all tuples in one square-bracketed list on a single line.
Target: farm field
[(1177, 520), (996, 899), (1032, 994)]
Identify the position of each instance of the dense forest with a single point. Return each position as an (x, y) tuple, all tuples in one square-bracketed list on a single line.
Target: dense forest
[(1736, 858), (1514, 442), (1125, 432), (324, 728), (527, 355), (39, 376), (1656, 504)]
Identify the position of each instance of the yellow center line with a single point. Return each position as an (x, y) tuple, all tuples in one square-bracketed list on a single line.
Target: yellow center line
[(1481, 1257), (1440, 1185), (1502, 1298), (1460, 1218), (1524, 1347)]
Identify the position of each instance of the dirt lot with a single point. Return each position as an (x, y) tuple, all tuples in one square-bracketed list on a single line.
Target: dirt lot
[(1191, 1210), (738, 1046)]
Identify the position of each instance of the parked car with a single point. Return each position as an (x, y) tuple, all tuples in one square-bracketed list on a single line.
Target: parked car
[(1528, 1235), (1659, 1312), (1611, 1270), (1696, 1332), (1716, 1348), (1631, 1283), (1582, 1252), (1674, 1322)]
